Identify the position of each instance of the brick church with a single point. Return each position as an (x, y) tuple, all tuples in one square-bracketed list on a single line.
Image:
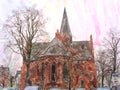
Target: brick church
[(63, 63)]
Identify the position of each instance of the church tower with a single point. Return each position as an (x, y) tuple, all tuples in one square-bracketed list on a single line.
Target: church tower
[(65, 28)]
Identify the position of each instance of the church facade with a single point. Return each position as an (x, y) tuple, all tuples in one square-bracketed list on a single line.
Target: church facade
[(63, 63)]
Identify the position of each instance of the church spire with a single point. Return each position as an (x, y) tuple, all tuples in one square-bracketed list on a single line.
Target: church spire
[(65, 29)]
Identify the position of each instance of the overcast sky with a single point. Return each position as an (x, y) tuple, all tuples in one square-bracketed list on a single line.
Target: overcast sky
[(85, 16)]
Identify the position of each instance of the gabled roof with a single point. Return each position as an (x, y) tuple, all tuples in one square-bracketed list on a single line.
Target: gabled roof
[(38, 48), (4, 69), (83, 48), (55, 48)]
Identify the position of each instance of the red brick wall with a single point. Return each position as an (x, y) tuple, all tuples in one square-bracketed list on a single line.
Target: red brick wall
[(85, 71), (4, 78)]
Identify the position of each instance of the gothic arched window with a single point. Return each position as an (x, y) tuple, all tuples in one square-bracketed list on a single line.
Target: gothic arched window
[(82, 84), (65, 71), (42, 70), (53, 75)]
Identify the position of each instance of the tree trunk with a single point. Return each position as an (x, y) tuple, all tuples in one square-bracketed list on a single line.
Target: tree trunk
[(110, 81), (114, 67), (28, 81), (102, 80), (3, 84), (69, 83), (11, 82)]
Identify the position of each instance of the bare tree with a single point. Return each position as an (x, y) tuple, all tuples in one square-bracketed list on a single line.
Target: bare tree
[(25, 26), (104, 66), (112, 44)]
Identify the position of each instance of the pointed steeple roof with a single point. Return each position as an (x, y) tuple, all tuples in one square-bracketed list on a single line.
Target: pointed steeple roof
[(65, 29)]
